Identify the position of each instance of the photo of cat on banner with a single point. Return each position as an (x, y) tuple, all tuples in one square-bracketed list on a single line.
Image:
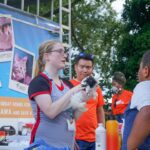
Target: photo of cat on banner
[(21, 71), (6, 38)]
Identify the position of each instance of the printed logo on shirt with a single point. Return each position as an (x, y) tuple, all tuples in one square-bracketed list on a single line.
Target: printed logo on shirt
[(119, 102)]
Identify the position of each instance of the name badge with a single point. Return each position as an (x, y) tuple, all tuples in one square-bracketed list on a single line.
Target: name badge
[(71, 124)]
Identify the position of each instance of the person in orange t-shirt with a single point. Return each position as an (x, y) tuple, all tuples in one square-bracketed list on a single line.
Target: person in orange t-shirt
[(121, 98), (88, 121)]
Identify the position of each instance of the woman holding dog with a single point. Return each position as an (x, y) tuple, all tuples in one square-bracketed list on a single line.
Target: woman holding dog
[(49, 96)]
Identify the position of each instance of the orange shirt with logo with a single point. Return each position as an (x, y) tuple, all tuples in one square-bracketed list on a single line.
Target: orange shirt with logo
[(120, 102), (87, 122)]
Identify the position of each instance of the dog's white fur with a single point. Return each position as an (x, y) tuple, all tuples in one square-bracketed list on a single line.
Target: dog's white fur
[(78, 101)]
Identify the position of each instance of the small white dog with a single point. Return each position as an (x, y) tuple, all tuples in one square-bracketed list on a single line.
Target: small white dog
[(78, 101)]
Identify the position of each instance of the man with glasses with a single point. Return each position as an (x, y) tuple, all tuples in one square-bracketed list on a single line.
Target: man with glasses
[(121, 97), (88, 121)]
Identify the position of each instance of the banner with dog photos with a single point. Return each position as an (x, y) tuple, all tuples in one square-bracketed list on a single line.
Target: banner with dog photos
[(24, 36), (20, 36)]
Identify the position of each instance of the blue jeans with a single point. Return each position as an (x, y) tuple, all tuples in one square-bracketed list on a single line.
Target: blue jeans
[(84, 145), (119, 118)]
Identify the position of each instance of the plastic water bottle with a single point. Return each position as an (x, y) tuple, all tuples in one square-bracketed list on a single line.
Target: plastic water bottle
[(100, 137)]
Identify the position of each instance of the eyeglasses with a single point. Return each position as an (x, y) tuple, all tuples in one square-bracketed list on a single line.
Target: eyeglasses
[(86, 56), (61, 51)]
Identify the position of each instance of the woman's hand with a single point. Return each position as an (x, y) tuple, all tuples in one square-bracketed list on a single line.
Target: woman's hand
[(76, 89)]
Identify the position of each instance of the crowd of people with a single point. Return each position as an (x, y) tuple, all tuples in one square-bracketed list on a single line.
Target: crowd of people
[(50, 95)]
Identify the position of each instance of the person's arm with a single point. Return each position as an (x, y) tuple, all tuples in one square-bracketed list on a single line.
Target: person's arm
[(101, 115), (52, 109), (112, 105), (140, 129), (100, 110)]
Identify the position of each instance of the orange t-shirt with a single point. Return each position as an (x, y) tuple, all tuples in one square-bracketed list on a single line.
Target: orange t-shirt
[(87, 122), (120, 102)]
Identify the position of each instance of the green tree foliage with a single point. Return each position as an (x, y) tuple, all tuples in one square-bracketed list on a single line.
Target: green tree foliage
[(95, 30), (135, 39), (136, 14)]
